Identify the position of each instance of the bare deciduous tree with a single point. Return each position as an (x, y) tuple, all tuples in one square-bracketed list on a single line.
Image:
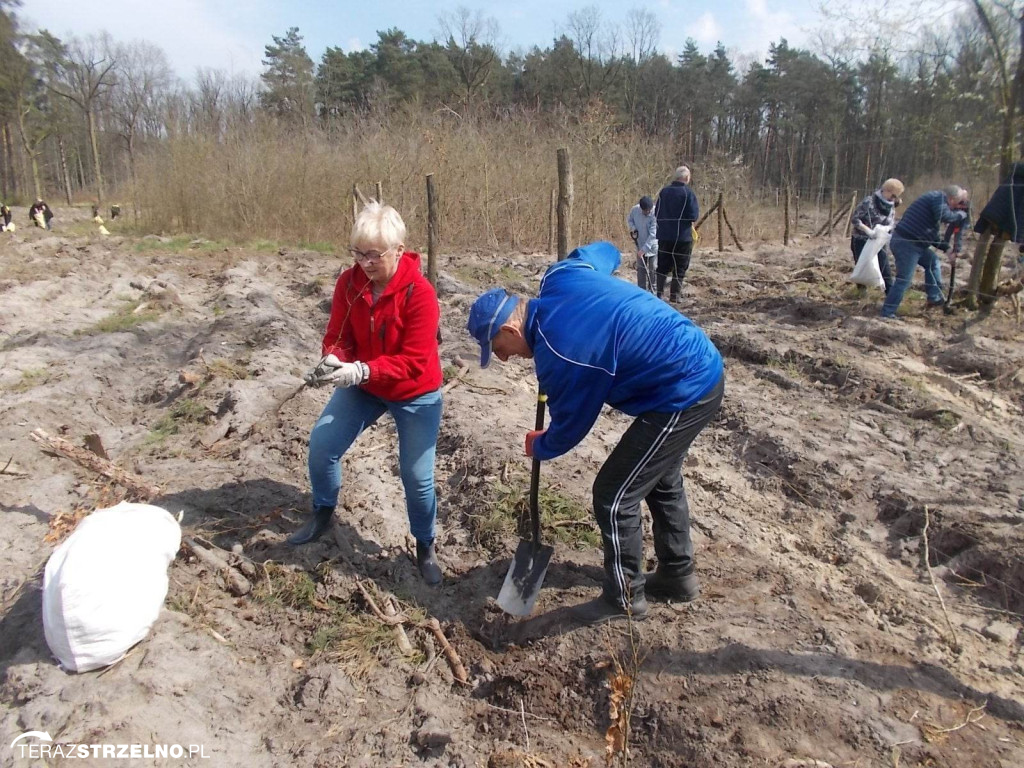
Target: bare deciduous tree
[(143, 78), (83, 74)]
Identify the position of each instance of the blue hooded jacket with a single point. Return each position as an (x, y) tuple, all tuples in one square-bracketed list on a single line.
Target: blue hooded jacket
[(597, 339)]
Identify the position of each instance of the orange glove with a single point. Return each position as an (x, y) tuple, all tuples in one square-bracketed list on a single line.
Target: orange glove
[(530, 437)]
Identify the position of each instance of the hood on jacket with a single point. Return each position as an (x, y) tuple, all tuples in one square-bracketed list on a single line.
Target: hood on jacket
[(601, 255)]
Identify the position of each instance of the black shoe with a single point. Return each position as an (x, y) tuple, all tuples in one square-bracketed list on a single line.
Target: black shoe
[(426, 559), (318, 522), (601, 611), (661, 585)]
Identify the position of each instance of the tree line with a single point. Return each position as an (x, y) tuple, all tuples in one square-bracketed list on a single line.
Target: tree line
[(76, 114)]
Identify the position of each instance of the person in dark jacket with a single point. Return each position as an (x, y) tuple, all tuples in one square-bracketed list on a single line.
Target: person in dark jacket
[(916, 234), (875, 210), (1001, 221), (5, 211), (380, 351), (676, 211), (39, 210), (596, 339)]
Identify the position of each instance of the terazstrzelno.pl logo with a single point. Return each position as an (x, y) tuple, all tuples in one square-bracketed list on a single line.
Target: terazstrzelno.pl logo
[(38, 745)]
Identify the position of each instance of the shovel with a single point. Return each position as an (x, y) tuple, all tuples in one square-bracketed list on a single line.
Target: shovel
[(948, 306), (526, 574)]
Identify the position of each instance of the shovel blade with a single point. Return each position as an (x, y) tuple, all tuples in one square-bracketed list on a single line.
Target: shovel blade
[(524, 578)]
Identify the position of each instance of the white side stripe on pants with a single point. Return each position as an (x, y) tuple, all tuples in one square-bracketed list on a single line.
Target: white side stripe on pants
[(620, 576)]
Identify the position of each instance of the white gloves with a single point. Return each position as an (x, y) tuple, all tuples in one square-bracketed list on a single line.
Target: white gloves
[(330, 370)]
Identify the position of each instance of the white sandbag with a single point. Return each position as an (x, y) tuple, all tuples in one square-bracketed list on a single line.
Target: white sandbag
[(867, 272), (104, 230), (40, 220), (10, 227), (104, 586)]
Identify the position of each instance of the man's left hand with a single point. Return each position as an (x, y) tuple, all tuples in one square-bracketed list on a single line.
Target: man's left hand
[(530, 437)]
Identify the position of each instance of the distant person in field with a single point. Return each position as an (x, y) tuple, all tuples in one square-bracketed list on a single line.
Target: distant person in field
[(5, 211), (380, 352), (916, 234), (598, 340), (877, 209), (40, 214), (643, 228), (1001, 221), (676, 211)]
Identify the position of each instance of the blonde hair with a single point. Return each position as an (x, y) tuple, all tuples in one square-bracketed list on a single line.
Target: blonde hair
[(378, 225), (893, 185)]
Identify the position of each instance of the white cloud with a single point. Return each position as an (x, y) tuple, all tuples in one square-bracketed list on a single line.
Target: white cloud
[(193, 33), (354, 44), (767, 26), (705, 29)]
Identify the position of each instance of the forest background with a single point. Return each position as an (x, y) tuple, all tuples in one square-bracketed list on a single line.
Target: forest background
[(929, 98)]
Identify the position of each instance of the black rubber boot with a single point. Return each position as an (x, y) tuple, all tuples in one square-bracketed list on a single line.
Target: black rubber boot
[(601, 610), (426, 559), (677, 588), (314, 528)]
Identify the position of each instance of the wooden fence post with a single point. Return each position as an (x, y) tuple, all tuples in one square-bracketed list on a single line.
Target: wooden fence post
[(721, 222), (785, 212), (431, 231), (565, 194)]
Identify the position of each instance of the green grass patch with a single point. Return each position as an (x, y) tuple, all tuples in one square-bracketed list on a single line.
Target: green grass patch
[(183, 413), (232, 370), (131, 315), (30, 378), (171, 244), (319, 247), (507, 511), (286, 587)]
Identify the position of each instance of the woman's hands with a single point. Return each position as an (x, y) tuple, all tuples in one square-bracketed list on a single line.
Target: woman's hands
[(330, 370)]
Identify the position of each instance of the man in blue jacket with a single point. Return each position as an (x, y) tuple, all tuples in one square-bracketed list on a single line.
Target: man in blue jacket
[(596, 339), (676, 211), (914, 236)]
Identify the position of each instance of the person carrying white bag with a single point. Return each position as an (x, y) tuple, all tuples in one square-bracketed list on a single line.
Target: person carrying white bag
[(103, 588), (867, 271), (875, 210)]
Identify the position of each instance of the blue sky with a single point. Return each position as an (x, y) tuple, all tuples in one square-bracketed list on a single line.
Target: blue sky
[(231, 35)]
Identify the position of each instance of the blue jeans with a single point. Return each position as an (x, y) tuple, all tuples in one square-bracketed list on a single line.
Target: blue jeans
[(909, 255), (350, 411)]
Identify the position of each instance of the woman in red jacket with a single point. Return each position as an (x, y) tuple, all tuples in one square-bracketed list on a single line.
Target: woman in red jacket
[(380, 352)]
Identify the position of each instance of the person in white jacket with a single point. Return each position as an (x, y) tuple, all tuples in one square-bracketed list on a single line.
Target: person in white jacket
[(643, 228)]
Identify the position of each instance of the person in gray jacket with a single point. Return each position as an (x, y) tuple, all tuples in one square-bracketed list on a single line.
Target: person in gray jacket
[(643, 228)]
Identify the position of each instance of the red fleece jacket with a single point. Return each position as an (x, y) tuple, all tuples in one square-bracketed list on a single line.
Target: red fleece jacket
[(396, 337)]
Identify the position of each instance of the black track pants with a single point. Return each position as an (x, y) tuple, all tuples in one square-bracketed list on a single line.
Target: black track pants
[(647, 464)]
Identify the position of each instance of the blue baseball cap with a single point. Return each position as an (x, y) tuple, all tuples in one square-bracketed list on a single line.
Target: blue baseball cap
[(486, 316)]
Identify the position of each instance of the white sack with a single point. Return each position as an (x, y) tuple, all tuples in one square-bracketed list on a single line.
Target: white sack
[(867, 272), (104, 586)]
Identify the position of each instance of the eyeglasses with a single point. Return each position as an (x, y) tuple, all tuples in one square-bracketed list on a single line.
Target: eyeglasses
[(368, 256)]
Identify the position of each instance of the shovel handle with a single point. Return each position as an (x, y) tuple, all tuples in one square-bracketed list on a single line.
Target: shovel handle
[(535, 476)]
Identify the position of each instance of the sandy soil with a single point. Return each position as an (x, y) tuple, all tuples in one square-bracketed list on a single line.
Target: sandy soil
[(819, 636)]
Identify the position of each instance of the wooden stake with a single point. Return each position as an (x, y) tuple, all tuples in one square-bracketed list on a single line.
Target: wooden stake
[(785, 213), (565, 196), (721, 227), (380, 192), (431, 231), (732, 231), (849, 221)]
